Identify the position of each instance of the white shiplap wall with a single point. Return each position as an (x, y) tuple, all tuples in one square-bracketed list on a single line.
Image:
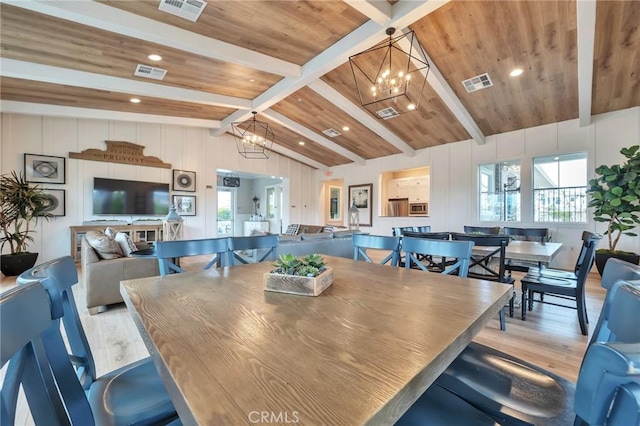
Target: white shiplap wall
[(453, 201), (187, 148)]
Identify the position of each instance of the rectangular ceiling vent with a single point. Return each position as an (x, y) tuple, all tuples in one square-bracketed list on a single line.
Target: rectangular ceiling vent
[(387, 113), (332, 133), (187, 9), (150, 72), (478, 82)]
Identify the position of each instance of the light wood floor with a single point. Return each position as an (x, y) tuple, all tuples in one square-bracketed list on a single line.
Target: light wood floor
[(550, 337)]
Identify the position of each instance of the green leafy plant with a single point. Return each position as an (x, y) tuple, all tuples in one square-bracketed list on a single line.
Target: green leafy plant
[(22, 205), (311, 265), (615, 197)]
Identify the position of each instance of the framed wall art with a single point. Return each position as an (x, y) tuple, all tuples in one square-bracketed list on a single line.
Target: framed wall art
[(185, 204), (362, 196), (56, 201), (184, 180), (44, 168)]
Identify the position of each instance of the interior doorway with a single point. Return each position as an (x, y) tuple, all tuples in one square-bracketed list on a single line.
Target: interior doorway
[(225, 212), (273, 196)]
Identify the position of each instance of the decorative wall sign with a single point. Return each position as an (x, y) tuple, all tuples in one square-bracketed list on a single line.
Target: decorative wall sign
[(55, 198), (121, 152), (44, 168), (185, 204), (184, 180), (362, 196)]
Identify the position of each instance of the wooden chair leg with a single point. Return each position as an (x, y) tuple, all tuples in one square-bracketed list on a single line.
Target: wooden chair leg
[(511, 301), (582, 316), (530, 299), (503, 323), (523, 304)]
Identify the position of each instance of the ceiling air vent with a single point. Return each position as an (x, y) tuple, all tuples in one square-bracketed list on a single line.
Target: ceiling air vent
[(187, 9), (387, 113), (332, 133), (150, 72), (478, 82)]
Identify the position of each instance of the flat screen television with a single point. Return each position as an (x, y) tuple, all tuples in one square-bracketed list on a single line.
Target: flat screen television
[(128, 197)]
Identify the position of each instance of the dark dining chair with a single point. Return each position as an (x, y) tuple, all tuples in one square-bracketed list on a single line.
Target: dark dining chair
[(491, 264), (563, 284), (417, 248), (269, 243), (25, 314), (400, 230), (426, 228), (491, 230), (540, 235), (168, 252), (133, 394), (515, 392), (362, 242), (433, 263)]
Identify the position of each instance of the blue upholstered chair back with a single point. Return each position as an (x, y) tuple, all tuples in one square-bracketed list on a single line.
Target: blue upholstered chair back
[(460, 250), (167, 251), (362, 242), (25, 314), (58, 276), (616, 273), (268, 242), (607, 366)]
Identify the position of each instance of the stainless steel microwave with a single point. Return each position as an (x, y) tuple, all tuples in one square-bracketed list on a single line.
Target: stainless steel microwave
[(418, 209)]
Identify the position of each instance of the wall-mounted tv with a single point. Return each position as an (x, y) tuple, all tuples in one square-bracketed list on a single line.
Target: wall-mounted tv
[(128, 197)]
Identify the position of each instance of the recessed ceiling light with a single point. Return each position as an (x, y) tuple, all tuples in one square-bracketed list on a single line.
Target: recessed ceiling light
[(154, 57), (301, 143), (299, 99), (516, 72), (411, 107), (345, 128), (134, 100), (252, 80)]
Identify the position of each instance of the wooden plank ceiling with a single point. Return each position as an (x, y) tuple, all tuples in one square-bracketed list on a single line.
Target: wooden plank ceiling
[(288, 60)]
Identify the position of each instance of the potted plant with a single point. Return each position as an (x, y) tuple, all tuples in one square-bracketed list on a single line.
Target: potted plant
[(22, 205), (307, 276), (615, 198)]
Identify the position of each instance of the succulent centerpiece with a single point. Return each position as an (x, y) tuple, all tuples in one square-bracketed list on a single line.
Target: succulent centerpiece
[(307, 276)]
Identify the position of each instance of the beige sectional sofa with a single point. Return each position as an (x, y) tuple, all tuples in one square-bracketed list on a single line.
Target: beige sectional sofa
[(102, 277)]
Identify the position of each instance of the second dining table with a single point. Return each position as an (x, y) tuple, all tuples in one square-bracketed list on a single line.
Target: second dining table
[(360, 353), (528, 251)]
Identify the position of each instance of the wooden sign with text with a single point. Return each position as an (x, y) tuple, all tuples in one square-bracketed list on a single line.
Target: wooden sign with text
[(121, 152)]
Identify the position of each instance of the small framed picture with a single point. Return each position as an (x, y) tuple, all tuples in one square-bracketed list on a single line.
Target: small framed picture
[(184, 180), (361, 196), (185, 204), (55, 201), (44, 168)]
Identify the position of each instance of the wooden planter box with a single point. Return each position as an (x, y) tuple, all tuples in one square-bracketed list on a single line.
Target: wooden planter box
[(293, 284)]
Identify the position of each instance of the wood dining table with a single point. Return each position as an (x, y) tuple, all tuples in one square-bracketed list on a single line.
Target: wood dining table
[(528, 251), (362, 352)]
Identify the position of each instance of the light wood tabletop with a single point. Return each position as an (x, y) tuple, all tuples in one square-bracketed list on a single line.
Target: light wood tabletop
[(361, 352), (530, 251)]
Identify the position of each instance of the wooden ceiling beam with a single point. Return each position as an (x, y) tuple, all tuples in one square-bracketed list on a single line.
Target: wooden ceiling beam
[(446, 93), (29, 108), (379, 11), (586, 17), (332, 95), (311, 135), (365, 36), (112, 19), (50, 74)]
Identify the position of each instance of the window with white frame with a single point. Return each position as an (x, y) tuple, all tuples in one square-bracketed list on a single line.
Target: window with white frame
[(559, 188), (499, 186)]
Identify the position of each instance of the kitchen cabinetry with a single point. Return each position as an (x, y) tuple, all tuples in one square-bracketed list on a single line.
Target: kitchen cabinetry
[(419, 190), (138, 233), (415, 189), (398, 188)]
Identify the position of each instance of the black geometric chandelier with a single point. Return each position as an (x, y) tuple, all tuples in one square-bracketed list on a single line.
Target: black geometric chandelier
[(254, 139), (390, 80)]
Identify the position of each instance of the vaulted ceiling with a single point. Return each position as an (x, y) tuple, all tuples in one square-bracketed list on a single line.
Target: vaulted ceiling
[(288, 60)]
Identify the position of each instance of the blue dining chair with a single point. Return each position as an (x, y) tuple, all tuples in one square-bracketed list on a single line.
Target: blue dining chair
[(255, 242), (458, 250), (168, 252), (25, 314), (362, 242), (133, 394), (513, 391)]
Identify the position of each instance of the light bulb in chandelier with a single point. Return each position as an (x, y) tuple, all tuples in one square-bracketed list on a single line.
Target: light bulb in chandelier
[(390, 86)]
